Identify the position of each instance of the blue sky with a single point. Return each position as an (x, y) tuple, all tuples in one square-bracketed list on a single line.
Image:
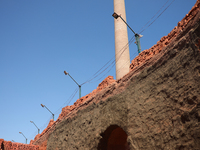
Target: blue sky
[(39, 39)]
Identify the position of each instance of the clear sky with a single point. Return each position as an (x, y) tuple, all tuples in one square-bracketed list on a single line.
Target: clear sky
[(39, 39)]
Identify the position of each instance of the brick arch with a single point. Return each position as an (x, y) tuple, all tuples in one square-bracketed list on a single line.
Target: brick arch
[(113, 138)]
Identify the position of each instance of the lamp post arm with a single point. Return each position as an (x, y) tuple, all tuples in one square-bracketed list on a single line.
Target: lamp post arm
[(74, 80), (77, 84), (48, 110), (127, 24), (35, 125), (24, 136)]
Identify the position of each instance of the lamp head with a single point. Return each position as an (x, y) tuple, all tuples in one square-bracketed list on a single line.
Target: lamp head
[(20, 132), (115, 15), (65, 73), (42, 105), (31, 121)]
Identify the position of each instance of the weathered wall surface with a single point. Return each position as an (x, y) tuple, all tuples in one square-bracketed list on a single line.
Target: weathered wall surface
[(145, 59), (155, 106), (165, 103), (158, 109)]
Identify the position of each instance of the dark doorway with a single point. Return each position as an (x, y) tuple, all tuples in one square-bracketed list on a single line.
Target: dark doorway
[(2, 146), (114, 138)]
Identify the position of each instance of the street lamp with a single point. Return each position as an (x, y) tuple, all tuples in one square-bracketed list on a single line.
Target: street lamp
[(48, 110), (137, 36), (24, 136), (66, 73), (36, 127)]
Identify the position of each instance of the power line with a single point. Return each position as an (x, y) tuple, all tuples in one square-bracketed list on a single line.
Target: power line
[(156, 17), (65, 104), (111, 62), (99, 73), (130, 42), (68, 101), (153, 16), (122, 50)]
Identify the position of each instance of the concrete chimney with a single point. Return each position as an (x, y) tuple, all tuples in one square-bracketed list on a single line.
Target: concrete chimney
[(122, 57)]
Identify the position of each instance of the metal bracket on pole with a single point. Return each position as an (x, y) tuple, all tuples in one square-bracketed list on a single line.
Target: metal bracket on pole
[(79, 91), (48, 110), (137, 37)]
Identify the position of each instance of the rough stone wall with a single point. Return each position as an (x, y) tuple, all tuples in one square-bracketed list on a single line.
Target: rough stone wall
[(111, 87), (157, 103), (165, 112), (8, 145), (159, 108)]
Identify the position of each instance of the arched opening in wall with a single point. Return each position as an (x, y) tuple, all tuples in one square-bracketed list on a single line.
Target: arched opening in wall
[(114, 138), (2, 146)]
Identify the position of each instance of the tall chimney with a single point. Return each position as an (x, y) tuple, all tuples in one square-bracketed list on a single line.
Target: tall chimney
[(122, 57)]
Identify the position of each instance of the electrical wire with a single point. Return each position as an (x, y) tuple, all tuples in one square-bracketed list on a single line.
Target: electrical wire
[(157, 16), (112, 59), (112, 63), (153, 16), (151, 24), (141, 30), (130, 42), (68, 101), (98, 73)]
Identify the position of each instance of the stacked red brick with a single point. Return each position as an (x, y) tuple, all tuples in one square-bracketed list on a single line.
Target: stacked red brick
[(8, 145)]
